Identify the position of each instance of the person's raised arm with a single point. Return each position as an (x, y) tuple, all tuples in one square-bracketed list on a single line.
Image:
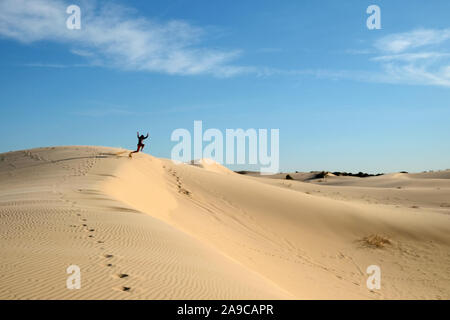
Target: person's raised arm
[(146, 136), (138, 134)]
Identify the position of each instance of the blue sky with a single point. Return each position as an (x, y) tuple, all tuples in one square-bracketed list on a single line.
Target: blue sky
[(345, 98)]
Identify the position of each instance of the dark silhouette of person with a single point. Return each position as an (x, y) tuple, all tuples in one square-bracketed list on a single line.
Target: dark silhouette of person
[(140, 145)]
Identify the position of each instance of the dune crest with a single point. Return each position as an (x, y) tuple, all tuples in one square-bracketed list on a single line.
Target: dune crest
[(211, 165)]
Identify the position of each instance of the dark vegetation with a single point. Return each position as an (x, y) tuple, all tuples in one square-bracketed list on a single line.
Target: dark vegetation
[(359, 174), (323, 174)]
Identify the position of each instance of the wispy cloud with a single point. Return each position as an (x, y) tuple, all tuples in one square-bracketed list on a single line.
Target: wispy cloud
[(420, 56), (115, 36), (413, 57), (400, 42), (417, 57), (82, 53), (359, 51)]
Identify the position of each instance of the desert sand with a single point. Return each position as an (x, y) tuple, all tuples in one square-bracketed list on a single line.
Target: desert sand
[(146, 228)]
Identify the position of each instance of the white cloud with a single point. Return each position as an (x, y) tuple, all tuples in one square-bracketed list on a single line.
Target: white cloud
[(418, 57), (411, 61), (412, 57), (114, 36), (400, 42), (413, 74), (82, 53)]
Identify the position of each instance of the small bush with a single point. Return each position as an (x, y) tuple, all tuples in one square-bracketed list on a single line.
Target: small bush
[(376, 241)]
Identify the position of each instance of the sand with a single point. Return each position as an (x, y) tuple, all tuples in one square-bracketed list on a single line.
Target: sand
[(146, 228)]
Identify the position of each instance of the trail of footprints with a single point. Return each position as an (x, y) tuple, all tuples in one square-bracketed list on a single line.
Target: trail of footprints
[(106, 256), (83, 170), (180, 187)]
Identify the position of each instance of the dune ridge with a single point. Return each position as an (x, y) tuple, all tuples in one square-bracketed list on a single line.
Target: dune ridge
[(146, 228)]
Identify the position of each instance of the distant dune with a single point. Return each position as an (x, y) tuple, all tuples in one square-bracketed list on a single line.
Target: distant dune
[(146, 228)]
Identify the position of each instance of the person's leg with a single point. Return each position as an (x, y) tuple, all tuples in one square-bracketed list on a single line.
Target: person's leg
[(142, 147), (137, 150)]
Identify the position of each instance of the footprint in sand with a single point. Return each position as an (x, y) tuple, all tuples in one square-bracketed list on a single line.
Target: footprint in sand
[(126, 289), (108, 256), (122, 275), (183, 191)]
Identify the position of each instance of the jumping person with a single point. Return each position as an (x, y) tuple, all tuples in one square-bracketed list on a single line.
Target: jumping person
[(140, 145)]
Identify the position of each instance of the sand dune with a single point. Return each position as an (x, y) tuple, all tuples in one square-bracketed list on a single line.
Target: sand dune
[(146, 228)]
